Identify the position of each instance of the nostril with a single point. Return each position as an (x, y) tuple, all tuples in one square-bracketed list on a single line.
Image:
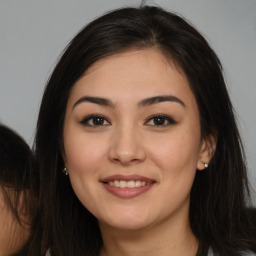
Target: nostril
[(126, 151)]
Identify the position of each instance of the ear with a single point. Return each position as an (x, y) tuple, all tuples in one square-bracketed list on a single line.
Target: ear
[(207, 150)]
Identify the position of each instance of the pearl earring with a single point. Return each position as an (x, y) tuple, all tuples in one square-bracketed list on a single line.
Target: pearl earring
[(65, 171)]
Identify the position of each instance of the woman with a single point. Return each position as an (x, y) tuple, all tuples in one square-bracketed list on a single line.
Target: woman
[(17, 200), (137, 145)]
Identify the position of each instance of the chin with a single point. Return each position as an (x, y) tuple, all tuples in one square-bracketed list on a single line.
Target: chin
[(128, 222), (127, 226)]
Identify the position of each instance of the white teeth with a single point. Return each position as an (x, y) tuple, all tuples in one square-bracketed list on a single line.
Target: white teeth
[(131, 184), (116, 183), (127, 184), (137, 183), (122, 184)]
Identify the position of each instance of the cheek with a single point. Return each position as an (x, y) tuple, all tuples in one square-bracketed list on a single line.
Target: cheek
[(83, 153), (83, 158), (176, 151), (176, 157)]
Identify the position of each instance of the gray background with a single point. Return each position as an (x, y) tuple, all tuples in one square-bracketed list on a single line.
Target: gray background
[(34, 32)]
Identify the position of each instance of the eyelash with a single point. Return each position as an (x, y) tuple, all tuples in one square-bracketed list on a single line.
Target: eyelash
[(92, 118), (161, 117)]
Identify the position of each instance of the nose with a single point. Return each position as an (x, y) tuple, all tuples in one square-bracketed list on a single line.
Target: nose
[(127, 146)]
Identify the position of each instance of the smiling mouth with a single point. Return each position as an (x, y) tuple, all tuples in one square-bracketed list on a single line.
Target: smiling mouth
[(128, 184)]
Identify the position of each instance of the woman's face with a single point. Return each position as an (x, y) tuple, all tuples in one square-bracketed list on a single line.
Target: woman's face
[(132, 140)]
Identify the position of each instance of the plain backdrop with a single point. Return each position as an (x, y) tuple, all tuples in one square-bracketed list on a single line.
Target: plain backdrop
[(33, 33)]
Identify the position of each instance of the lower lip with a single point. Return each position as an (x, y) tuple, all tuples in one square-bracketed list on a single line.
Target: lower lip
[(127, 192)]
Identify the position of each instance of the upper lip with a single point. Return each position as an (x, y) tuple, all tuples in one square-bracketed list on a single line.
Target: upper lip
[(126, 178)]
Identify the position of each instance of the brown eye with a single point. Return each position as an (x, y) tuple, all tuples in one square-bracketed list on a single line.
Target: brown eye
[(95, 120), (160, 120)]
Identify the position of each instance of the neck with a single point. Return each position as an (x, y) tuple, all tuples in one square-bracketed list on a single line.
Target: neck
[(171, 237)]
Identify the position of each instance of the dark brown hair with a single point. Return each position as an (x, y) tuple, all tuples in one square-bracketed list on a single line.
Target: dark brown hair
[(218, 214), (17, 177), (16, 166)]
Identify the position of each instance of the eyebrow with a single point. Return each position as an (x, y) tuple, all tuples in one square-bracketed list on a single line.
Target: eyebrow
[(143, 103), (158, 99), (96, 100)]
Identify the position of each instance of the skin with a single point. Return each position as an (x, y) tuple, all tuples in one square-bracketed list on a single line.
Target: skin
[(129, 142), (12, 235)]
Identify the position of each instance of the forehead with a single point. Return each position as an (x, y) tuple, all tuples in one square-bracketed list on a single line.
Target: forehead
[(134, 74)]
